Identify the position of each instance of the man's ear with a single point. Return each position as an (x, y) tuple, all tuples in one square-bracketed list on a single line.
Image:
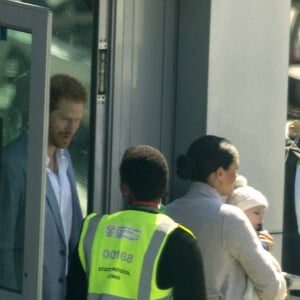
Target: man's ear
[(125, 190)]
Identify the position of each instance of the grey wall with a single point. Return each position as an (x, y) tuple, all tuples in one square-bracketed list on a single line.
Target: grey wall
[(143, 79), (192, 79), (247, 93), (186, 68), (241, 91)]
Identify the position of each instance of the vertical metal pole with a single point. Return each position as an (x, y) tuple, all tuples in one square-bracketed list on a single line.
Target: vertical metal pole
[(100, 74)]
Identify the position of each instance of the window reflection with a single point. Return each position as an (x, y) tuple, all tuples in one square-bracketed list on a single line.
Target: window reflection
[(71, 51), (15, 52)]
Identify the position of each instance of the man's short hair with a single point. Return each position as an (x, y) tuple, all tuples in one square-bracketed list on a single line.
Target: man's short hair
[(145, 171), (66, 87)]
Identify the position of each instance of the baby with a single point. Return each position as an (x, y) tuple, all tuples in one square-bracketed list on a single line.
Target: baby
[(254, 205)]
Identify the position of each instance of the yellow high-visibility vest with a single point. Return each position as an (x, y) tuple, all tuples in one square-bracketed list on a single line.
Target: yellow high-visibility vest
[(120, 254)]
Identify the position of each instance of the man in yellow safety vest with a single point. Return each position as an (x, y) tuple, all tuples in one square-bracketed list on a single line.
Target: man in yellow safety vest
[(139, 252)]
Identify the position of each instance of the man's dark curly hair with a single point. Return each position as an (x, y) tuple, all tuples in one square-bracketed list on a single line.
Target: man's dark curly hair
[(145, 171)]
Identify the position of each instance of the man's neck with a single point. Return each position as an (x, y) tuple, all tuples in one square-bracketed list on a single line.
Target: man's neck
[(51, 151), (156, 207), (146, 203), (53, 164)]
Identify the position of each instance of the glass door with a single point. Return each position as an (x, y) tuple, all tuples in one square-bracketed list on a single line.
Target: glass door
[(25, 32)]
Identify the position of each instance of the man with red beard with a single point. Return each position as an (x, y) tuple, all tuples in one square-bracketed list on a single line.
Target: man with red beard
[(63, 216)]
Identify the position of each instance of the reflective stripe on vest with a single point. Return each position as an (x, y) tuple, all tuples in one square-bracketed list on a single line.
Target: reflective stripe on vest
[(110, 297), (89, 239), (165, 226), (151, 254)]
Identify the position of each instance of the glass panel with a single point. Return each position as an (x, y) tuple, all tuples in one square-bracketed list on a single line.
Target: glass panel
[(72, 33), (15, 49), (71, 53)]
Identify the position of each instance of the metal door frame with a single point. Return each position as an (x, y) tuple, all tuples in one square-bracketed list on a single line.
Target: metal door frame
[(100, 107), (37, 21)]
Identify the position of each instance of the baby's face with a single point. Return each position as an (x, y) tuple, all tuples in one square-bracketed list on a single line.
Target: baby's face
[(256, 216)]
